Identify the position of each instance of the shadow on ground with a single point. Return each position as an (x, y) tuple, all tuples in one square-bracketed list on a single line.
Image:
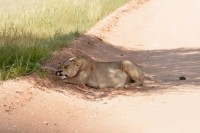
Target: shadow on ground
[(164, 65)]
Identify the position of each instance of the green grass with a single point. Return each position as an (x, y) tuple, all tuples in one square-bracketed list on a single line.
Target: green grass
[(30, 30)]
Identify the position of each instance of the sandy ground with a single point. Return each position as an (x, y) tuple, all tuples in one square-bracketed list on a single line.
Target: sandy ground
[(162, 36)]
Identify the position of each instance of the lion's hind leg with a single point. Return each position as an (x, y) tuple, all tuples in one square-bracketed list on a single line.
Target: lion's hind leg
[(134, 72)]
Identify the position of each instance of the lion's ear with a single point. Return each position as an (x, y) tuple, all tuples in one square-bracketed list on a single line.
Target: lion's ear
[(73, 58)]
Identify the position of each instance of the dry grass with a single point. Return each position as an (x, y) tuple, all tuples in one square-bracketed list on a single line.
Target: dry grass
[(30, 30)]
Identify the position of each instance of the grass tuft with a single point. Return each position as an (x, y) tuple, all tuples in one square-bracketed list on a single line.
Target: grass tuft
[(30, 30)]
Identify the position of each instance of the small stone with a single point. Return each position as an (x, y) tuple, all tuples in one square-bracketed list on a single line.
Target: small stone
[(18, 92), (45, 122), (182, 78)]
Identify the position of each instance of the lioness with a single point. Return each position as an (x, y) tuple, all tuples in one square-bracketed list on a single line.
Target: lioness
[(83, 70)]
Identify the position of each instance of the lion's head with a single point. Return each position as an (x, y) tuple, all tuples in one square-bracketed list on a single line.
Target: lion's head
[(72, 67)]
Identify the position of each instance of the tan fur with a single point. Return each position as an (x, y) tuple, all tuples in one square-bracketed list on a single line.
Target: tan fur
[(83, 70)]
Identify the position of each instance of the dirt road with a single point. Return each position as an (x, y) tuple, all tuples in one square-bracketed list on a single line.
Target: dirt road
[(160, 35)]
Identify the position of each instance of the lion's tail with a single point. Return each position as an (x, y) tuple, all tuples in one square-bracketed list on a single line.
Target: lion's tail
[(148, 77)]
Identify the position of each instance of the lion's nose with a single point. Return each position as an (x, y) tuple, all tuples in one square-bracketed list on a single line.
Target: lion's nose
[(59, 73)]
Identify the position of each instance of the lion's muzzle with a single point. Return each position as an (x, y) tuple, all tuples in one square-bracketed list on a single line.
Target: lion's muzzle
[(60, 75)]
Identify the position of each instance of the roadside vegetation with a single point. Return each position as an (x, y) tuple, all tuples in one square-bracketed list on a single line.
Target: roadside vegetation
[(30, 30)]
